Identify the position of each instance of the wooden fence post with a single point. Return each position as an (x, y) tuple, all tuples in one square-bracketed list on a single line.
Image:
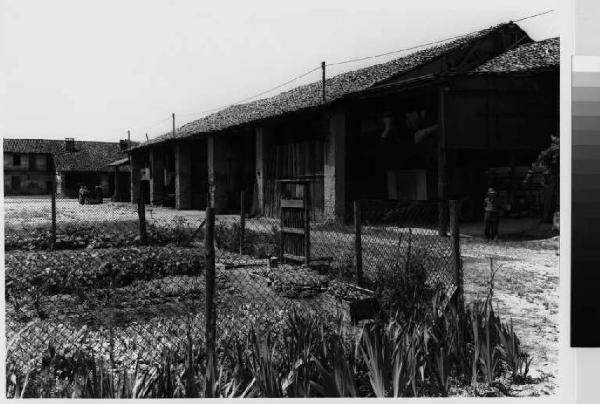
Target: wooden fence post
[(358, 244), (306, 204), (210, 313), (456, 258), (281, 234), (53, 209), (141, 215), (242, 221)]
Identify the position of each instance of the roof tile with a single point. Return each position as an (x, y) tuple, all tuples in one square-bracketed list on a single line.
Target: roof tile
[(310, 95), (528, 57)]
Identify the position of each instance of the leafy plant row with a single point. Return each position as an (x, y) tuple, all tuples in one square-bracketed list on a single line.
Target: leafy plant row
[(103, 234), (70, 271), (434, 352)]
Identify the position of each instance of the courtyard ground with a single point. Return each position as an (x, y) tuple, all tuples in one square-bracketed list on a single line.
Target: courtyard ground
[(525, 286), (526, 290)]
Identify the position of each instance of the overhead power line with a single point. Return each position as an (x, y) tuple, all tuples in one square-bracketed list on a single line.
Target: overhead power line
[(428, 43), (534, 15), (279, 86), (201, 113), (256, 95)]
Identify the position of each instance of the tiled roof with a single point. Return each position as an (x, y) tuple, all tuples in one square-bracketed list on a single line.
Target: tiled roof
[(87, 156), (310, 95), (528, 57)]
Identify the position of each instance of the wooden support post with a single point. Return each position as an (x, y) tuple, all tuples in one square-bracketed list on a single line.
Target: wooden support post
[(281, 224), (131, 169), (512, 200), (358, 244), (242, 220), (116, 185), (306, 204), (456, 258), (210, 314), (141, 215), (53, 218)]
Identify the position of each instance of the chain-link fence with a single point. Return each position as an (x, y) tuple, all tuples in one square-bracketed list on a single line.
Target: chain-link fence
[(93, 277), (126, 282), (266, 267), (407, 234)]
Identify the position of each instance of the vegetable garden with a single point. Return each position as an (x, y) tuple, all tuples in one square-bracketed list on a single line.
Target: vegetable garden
[(105, 315)]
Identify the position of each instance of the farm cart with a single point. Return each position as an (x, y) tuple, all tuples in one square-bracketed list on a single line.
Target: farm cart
[(87, 196)]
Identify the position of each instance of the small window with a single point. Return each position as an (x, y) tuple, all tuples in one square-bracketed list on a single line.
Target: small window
[(407, 185), (15, 183), (16, 160)]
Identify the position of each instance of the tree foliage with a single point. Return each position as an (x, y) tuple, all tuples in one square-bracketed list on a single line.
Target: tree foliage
[(548, 161)]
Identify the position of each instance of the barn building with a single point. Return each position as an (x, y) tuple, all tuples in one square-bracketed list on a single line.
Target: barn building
[(31, 166), (444, 122)]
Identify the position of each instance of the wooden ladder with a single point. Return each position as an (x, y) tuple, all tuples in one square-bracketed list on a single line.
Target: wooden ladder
[(295, 225)]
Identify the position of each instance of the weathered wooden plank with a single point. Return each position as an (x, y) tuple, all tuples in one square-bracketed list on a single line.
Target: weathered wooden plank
[(292, 230), (292, 257), (292, 203)]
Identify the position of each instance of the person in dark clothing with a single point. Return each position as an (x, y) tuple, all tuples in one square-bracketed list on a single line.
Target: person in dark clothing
[(492, 215)]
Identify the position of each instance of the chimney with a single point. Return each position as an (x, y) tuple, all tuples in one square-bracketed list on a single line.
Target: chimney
[(70, 144), (123, 144)]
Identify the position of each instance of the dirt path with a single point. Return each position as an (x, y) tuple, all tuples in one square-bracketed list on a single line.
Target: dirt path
[(526, 290)]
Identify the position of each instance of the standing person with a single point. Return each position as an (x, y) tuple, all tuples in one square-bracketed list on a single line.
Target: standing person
[(492, 215)]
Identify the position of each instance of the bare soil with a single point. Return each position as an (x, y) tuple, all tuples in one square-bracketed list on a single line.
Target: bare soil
[(526, 290)]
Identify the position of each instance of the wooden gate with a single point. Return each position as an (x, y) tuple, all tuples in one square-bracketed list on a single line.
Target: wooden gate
[(295, 223)]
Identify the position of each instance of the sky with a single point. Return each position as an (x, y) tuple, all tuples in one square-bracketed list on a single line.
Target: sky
[(92, 70)]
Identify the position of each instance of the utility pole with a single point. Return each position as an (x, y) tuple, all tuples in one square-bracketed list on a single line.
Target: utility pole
[(323, 73), (147, 137), (173, 115)]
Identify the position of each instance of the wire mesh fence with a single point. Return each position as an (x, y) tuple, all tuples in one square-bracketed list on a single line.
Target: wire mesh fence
[(408, 234), (126, 282), (92, 282)]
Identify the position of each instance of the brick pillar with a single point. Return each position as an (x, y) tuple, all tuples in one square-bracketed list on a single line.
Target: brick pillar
[(135, 167), (335, 168), (105, 184), (157, 180), (217, 172), (263, 139), (183, 177)]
